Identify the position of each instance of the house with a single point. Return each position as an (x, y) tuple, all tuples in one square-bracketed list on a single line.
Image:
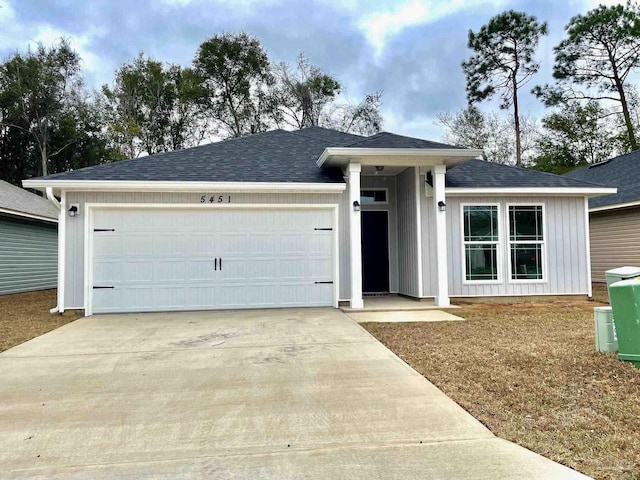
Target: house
[(312, 218), (28, 241), (614, 219)]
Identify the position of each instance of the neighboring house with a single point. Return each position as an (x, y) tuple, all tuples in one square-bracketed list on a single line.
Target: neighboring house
[(614, 219), (28, 241), (313, 218)]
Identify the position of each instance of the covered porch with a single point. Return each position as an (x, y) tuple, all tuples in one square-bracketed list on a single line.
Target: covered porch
[(397, 222)]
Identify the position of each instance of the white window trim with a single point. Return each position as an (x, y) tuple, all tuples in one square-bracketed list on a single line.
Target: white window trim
[(499, 249), (543, 243), (374, 189)]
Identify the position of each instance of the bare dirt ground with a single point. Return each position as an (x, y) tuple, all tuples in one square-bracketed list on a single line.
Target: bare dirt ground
[(24, 316)]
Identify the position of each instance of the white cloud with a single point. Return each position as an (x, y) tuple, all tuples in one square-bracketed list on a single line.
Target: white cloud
[(379, 26)]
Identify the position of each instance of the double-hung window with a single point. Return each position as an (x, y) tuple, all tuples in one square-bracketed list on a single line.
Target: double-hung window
[(526, 242), (481, 242)]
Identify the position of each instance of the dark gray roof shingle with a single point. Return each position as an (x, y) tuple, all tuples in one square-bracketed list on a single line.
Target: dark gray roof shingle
[(19, 200), (274, 156), (622, 172), (283, 156), (482, 174), (333, 138), (391, 140)]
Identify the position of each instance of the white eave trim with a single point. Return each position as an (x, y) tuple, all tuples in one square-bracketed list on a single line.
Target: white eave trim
[(13, 213), (615, 206), (546, 191), (254, 187), (397, 152)]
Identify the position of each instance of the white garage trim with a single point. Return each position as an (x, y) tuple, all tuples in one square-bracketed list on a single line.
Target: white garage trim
[(174, 186), (90, 208)]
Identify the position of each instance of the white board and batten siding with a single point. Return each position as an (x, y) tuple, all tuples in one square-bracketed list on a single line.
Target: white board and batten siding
[(566, 250), (615, 240), (408, 263), (75, 234)]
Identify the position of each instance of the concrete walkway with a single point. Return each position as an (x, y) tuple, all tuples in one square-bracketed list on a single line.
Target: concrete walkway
[(245, 395)]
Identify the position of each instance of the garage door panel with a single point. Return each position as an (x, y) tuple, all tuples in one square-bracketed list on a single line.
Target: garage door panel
[(171, 271), (165, 259)]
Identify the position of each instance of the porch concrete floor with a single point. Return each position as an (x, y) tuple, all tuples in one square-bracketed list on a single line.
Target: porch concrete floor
[(394, 303), (403, 316)]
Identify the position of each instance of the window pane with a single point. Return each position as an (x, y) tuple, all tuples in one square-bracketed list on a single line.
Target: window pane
[(480, 223), (525, 223), (373, 196), (482, 262), (526, 261)]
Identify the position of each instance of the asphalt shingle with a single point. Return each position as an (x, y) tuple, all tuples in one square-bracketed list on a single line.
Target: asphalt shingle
[(19, 200), (482, 174), (622, 172), (391, 140)]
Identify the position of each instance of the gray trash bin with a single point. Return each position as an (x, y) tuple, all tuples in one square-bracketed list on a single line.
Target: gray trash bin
[(606, 339)]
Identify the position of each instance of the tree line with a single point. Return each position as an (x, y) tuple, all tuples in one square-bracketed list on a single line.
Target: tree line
[(594, 105), (51, 122)]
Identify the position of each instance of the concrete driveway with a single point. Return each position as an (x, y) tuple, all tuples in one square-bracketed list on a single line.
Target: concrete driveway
[(237, 395)]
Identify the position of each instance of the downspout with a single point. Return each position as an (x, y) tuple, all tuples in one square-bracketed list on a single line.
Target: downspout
[(56, 203)]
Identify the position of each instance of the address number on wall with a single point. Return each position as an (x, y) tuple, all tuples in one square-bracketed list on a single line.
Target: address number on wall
[(215, 199)]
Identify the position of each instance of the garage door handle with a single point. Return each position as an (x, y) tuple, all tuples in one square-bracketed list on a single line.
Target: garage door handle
[(95, 288), (323, 282), (215, 264), (221, 264)]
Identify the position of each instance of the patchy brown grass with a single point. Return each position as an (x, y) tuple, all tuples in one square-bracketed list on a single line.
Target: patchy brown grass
[(24, 316), (530, 374)]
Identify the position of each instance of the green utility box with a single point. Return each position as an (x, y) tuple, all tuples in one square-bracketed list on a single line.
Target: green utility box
[(625, 302), (606, 340), (621, 273)]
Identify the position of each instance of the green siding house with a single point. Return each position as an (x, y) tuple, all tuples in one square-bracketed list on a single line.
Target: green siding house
[(28, 241)]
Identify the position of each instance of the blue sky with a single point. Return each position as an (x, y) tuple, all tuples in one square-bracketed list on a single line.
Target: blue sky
[(411, 50)]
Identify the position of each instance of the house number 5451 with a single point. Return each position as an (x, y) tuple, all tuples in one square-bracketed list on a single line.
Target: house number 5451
[(215, 199)]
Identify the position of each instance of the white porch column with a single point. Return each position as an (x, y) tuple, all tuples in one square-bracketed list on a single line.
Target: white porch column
[(355, 235), (442, 284)]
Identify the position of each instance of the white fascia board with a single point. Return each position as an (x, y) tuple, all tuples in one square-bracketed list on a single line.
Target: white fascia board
[(15, 213), (545, 191), (615, 206), (356, 153), (162, 186)]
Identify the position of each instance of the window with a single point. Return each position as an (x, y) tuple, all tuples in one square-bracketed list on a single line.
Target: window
[(373, 196), (481, 242), (526, 241)]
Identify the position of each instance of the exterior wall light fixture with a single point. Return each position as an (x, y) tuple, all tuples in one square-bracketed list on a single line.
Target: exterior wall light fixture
[(442, 206), (356, 206), (73, 211)]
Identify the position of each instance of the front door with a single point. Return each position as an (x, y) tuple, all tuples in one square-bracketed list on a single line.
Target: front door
[(375, 251)]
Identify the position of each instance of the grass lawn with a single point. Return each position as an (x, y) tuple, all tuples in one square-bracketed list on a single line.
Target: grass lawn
[(530, 373), (24, 316)]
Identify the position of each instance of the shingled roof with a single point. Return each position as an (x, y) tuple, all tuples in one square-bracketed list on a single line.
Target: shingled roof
[(290, 156), (274, 156), (622, 172), (391, 140), (482, 174), (15, 200)]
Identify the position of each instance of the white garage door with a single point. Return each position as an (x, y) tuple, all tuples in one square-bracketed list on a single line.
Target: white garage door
[(148, 260)]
